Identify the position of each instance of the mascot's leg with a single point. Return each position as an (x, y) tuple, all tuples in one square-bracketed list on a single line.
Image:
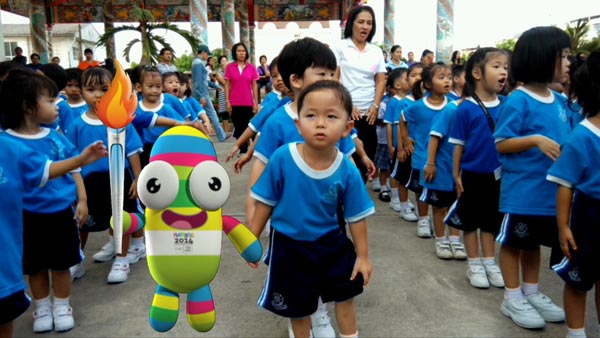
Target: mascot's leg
[(132, 222), (164, 310), (201, 309)]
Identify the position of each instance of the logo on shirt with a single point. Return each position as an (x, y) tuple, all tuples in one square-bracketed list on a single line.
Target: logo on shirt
[(574, 274), (57, 149), (331, 195), (278, 302), (3, 178), (562, 114), (521, 230)]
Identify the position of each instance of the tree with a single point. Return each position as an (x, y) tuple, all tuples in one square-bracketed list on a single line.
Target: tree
[(146, 27), (578, 33), (507, 44), (184, 62)]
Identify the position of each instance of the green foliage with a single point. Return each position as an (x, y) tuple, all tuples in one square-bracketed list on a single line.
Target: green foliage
[(184, 62), (589, 46), (507, 44), (577, 33)]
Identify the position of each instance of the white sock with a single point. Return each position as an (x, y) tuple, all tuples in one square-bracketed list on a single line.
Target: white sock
[(474, 261), (353, 335), (137, 241), (395, 194), (488, 261), (394, 200), (530, 288), (575, 333), (441, 239), (454, 239), (423, 218), (513, 293), (61, 301), (403, 205), (321, 306), (42, 302)]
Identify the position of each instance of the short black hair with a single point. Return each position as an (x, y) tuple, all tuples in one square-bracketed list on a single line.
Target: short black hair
[(478, 59), (34, 54), (298, 55), (95, 76), (19, 93), (335, 86), (394, 47), (273, 63), (395, 75), (88, 51), (536, 53), (165, 49), (73, 74), (586, 84), (234, 49), (55, 73), (7, 66), (457, 71), (425, 53), (354, 12)]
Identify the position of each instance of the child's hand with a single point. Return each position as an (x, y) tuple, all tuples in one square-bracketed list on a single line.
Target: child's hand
[(239, 164), (232, 153), (409, 146), (458, 186), (209, 128), (401, 155), (391, 151), (548, 147), (369, 166), (364, 267), (429, 172), (133, 190), (81, 213), (203, 102), (566, 240), (93, 153)]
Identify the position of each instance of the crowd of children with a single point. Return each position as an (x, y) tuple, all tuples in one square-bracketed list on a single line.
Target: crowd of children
[(488, 161)]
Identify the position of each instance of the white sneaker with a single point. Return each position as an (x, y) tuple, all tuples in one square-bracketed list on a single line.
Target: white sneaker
[(409, 215), (376, 185), (118, 272), (63, 318), (106, 253), (423, 228), (546, 308), (395, 205), (77, 271), (477, 277), (458, 251), (135, 253), (442, 250), (494, 275), (522, 313), (321, 325), (42, 319), (411, 206)]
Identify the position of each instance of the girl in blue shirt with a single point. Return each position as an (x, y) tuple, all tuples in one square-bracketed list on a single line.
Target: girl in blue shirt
[(476, 167), (531, 126), (576, 174)]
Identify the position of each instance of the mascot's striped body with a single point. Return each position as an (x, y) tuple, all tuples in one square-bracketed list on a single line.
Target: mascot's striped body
[(184, 188)]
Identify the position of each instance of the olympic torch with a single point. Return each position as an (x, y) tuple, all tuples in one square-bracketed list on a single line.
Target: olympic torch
[(116, 109)]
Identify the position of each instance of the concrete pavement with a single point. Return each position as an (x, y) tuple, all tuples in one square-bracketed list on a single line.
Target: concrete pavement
[(412, 293)]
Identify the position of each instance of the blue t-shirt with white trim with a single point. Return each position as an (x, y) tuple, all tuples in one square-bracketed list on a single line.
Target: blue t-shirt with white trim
[(174, 103), (68, 112), (578, 163), (304, 200), (524, 189), (268, 108), (149, 135), (472, 130), (392, 116)]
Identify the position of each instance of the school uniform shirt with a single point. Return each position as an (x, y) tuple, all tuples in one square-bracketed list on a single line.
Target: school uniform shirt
[(524, 189), (419, 118), (149, 135), (381, 130), (176, 105), (21, 169), (240, 84), (269, 106), (471, 130), (578, 163), (59, 193), (304, 200), (392, 116), (84, 131), (281, 129), (407, 101), (440, 128), (67, 112), (358, 69), (193, 107)]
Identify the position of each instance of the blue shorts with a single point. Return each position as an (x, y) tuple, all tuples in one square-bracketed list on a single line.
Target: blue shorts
[(13, 306), (300, 271), (401, 170), (438, 198), (581, 272), (413, 182), (477, 207)]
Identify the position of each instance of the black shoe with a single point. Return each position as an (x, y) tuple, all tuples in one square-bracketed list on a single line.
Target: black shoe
[(384, 196)]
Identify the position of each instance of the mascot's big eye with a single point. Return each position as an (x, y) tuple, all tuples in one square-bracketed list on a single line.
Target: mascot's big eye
[(158, 185), (209, 185)]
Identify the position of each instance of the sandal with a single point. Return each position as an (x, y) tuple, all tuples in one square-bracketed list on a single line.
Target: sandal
[(384, 196)]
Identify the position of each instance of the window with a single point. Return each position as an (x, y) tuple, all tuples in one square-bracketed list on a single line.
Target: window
[(9, 49)]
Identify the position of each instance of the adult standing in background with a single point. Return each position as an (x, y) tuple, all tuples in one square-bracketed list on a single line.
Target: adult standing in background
[(396, 60), (264, 76), (411, 59), (19, 57), (427, 58), (241, 91), (89, 60), (35, 62), (166, 58), (456, 60), (361, 68), (200, 89)]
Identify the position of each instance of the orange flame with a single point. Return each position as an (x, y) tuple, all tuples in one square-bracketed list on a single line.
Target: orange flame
[(116, 109)]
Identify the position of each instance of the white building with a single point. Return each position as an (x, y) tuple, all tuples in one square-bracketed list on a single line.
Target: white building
[(67, 42)]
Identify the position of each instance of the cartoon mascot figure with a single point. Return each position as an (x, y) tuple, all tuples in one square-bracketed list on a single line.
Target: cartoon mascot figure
[(184, 188)]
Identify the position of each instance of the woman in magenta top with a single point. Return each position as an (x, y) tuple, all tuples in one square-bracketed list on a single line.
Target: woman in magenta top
[(241, 91)]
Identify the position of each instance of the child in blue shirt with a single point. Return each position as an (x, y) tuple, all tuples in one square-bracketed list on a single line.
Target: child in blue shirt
[(578, 205), (382, 155), (74, 105), (84, 130), (51, 213), (194, 107), (310, 256), (531, 126), (476, 167), (458, 83)]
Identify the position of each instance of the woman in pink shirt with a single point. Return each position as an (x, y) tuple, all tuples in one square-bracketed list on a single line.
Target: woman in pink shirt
[(241, 91)]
